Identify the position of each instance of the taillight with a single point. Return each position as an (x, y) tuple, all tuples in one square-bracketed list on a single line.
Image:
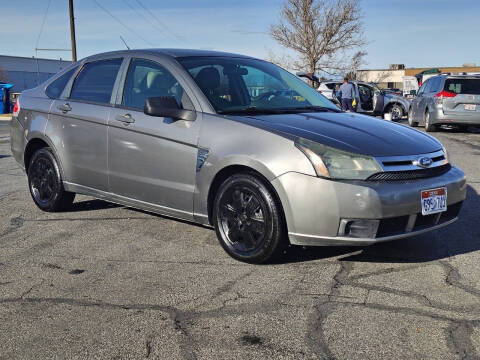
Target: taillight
[(446, 94), (443, 94), (16, 108)]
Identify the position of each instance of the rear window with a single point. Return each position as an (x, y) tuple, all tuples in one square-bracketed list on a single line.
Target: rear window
[(55, 89), (463, 86), (96, 80)]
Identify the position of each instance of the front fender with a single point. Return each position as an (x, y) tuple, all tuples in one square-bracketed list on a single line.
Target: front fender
[(227, 142)]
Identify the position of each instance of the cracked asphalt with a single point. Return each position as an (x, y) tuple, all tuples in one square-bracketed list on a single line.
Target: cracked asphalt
[(108, 282)]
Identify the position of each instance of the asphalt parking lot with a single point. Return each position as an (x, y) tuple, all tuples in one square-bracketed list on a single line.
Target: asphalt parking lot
[(108, 282)]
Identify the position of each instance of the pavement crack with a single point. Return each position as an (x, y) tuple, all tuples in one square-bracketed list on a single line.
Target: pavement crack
[(148, 347), (459, 340), (315, 337), (453, 278)]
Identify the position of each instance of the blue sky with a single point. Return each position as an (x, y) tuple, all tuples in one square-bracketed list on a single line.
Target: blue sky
[(413, 32)]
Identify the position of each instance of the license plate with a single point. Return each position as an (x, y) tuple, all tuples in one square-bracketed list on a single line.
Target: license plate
[(471, 107), (434, 201)]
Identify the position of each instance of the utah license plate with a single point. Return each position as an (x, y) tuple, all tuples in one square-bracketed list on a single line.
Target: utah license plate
[(434, 201), (472, 107)]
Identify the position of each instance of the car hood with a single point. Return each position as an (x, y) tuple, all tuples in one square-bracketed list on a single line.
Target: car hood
[(394, 97), (350, 132)]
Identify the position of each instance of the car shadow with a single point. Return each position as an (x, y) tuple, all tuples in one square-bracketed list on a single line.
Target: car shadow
[(458, 238), (92, 205)]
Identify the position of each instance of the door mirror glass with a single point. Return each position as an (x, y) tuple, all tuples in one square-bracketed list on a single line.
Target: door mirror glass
[(167, 106)]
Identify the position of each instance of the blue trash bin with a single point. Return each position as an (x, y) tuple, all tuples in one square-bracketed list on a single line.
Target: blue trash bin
[(5, 98)]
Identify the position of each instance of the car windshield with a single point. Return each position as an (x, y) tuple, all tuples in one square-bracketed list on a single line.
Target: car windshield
[(242, 85)]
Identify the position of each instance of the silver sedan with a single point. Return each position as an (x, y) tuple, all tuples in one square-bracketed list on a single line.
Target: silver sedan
[(232, 142)]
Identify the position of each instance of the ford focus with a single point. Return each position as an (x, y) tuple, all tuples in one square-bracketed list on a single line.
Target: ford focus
[(231, 142)]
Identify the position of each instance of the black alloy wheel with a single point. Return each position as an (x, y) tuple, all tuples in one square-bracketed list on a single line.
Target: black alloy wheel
[(45, 184), (247, 219)]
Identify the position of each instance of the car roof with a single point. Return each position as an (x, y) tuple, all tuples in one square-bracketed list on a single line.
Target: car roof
[(174, 53)]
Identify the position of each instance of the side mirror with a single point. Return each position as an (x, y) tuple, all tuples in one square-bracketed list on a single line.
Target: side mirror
[(413, 92), (167, 106)]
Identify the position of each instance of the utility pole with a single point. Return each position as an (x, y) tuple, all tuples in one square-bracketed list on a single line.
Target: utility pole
[(72, 31)]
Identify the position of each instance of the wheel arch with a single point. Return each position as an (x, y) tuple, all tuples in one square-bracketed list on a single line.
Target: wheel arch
[(230, 170), (35, 143), (390, 104)]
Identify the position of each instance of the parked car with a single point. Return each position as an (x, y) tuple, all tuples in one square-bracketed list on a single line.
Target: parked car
[(371, 99), (447, 100), (179, 133)]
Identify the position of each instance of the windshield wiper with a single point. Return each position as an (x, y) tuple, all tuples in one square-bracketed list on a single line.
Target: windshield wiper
[(252, 110), (311, 108)]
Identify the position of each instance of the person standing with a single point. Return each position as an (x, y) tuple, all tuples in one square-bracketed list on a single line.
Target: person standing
[(347, 93)]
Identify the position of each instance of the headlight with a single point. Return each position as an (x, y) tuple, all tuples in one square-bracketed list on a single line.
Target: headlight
[(445, 153), (337, 164)]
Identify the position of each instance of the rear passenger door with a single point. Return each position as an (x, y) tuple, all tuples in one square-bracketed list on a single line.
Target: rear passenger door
[(79, 123), (153, 159)]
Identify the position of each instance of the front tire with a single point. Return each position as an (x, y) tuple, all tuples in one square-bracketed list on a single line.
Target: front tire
[(45, 182), (429, 127), (248, 219)]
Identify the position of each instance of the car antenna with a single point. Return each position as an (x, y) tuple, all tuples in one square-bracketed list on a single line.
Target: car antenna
[(124, 42)]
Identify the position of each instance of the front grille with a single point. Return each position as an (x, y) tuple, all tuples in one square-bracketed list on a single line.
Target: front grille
[(398, 225), (410, 174), (392, 226)]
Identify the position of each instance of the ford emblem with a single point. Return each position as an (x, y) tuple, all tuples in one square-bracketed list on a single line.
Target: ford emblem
[(424, 162)]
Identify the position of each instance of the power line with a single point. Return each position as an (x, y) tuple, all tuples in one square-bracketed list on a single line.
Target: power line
[(122, 23), (43, 24), (142, 16), (158, 20)]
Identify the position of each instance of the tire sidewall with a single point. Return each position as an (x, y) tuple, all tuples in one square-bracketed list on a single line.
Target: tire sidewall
[(52, 205), (410, 118), (400, 112), (273, 236)]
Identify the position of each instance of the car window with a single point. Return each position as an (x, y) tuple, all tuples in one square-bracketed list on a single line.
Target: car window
[(422, 88), (435, 84), (96, 80), (146, 79), (463, 86), (243, 84), (55, 89)]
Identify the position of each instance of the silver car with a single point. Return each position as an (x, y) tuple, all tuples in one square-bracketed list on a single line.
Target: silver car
[(232, 142), (447, 100), (371, 100)]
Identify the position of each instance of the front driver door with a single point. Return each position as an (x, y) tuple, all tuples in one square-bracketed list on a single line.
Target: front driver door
[(153, 159)]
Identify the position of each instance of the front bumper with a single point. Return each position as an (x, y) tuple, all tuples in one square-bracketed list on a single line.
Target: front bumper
[(314, 207)]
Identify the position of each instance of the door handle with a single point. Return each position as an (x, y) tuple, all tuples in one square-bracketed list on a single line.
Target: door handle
[(127, 118), (64, 108)]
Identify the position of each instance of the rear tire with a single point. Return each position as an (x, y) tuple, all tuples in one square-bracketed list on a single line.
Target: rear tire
[(45, 182), (429, 127), (410, 119), (248, 219)]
